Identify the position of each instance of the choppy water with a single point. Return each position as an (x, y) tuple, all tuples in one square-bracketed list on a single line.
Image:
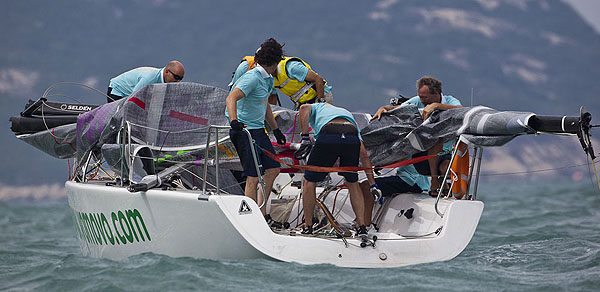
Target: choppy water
[(538, 236)]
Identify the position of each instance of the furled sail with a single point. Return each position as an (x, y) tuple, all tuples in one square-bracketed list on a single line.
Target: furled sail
[(402, 132)]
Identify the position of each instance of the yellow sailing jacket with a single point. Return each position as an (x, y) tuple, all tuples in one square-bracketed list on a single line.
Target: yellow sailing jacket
[(299, 92)]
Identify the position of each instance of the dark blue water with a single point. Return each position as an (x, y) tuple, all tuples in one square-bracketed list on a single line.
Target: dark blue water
[(532, 236)]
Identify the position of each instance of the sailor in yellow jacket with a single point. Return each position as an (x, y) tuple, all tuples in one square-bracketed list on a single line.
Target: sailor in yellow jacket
[(295, 79)]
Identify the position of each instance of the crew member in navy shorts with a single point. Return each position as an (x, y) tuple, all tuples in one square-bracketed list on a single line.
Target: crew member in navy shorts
[(337, 136)]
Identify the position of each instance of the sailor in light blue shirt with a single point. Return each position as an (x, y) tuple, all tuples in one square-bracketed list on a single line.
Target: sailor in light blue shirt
[(446, 99), (337, 137), (256, 85), (247, 108), (294, 69), (298, 71), (129, 82), (411, 176), (323, 113), (429, 98)]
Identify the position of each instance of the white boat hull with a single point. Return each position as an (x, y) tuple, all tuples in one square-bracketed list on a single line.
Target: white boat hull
[(114, 223)]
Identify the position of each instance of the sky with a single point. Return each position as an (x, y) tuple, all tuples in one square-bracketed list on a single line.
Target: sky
[(589, 10)]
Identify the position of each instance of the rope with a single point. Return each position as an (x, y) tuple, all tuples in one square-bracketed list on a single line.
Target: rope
[(69, 165), (73, 83), (45, 95), (335, 200), (348, 168), (283, 188), (408, 162), (52, 132)]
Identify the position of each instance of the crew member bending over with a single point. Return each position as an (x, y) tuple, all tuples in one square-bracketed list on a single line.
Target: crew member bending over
[(295, 79), (337, 135), (429, 99), (127, 83)]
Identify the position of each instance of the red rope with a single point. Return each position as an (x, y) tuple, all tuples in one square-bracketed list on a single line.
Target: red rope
[(335, 200), (60, 143), (347, 168)]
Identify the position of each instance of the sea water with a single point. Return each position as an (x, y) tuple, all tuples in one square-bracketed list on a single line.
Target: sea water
[(533, 236)]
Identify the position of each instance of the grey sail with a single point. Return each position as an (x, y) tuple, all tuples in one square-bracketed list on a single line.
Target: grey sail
[(173, 120)]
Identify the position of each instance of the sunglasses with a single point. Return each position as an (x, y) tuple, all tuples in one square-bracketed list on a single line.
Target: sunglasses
[(177, 77)]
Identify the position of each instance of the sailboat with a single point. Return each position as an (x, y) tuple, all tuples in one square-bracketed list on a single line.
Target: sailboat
[(156, 172)]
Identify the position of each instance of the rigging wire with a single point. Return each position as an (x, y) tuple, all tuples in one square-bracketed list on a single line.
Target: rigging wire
[(99, 167), (596, 173), (535, 171), (65, 96), (590, 172), (72, 83), (52, 132), (46, 95)]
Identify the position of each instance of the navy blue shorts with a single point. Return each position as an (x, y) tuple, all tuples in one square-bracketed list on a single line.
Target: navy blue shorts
[(394, 184), (335, 140), (423, 166), (242, 146)]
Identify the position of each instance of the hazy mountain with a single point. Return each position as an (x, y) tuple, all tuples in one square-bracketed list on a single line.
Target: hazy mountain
[(531, 55)]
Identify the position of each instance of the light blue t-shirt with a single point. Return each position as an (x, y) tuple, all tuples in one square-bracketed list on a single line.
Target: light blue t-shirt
[(132, 80), (411, 176), (446, 99), (323, 113), (298, 71), (239, 71), (295, 69), (409, 173), (256, 85)]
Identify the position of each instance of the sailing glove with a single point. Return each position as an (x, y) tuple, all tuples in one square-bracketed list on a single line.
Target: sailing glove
[(236, 125), (376, 192), (279, 136), (304, 150)]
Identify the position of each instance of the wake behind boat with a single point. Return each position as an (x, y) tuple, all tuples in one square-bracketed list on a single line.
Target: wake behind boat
[(156, 172)]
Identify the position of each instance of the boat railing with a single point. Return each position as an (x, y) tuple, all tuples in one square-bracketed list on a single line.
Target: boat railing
[(474, 170), (128, 136), (257, 164), (128, 155), (80, 171)]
